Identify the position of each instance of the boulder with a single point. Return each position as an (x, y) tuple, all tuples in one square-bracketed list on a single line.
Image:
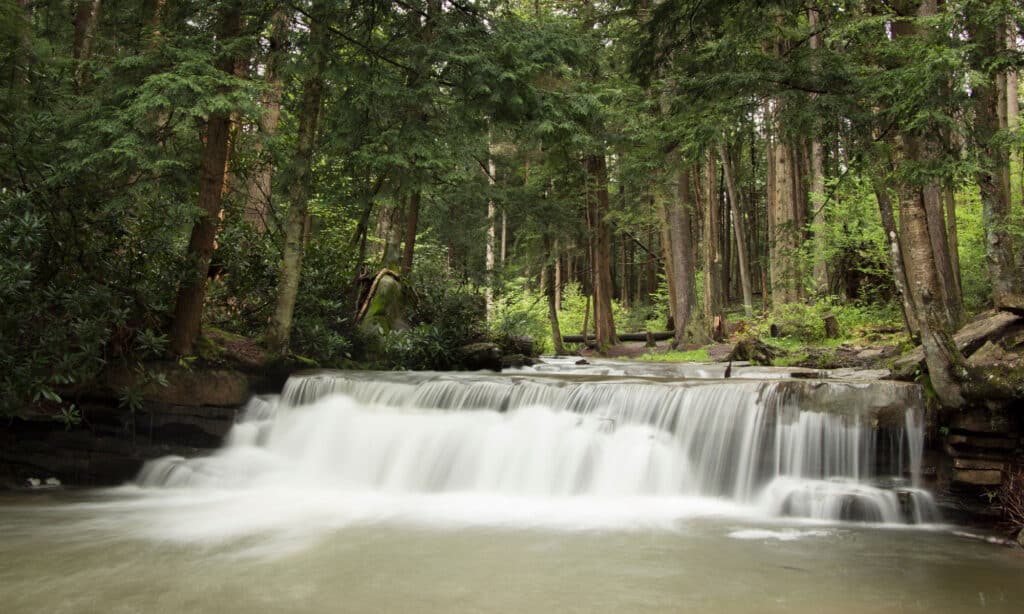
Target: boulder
[(479, 356), (968, 339), (515, 361), (755, 351), (383, 310), (187, 387)]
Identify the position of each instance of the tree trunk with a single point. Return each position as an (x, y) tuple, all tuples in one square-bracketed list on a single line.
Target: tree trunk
[(188, 307), (712, 248), (491, 231), (551, 291), (678, 215), (945, 363), (279, 331), (412, 220), (784, 225), (258, 191), (85, 30), (896, 256), (817, 195), (992, 175), (602, 258), (954, 242), (739, 231)]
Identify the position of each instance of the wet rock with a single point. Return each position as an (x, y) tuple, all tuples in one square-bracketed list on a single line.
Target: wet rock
[(186, 387), (479, 356), (871, 354), (977, 477), (755, 351), (515, 361), (384, 307), (968, 339), (988, 354)]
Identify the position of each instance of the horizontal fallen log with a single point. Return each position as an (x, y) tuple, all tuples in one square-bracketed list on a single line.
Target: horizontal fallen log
[(659, 336)]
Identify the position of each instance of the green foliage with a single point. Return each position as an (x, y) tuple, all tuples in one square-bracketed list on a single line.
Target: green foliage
[(698, 355), (974, 276), (521, 312), (802, 324), (422, 348)]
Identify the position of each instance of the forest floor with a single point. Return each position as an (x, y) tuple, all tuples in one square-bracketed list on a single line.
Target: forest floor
[(865, 349)]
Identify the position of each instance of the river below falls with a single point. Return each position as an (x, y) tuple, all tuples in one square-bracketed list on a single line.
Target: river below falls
[(225, 551)]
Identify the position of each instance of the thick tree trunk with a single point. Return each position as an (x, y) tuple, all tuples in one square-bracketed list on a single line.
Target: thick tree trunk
[(993, 174), (712, 248), (739, 231), (945, 363), (896, 261), (412, 220), (279, 331), (678, 217), (602, 258), (817, 195), (188, 306), (784, 225)]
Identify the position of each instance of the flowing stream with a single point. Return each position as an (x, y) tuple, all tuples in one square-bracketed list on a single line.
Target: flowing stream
[(552, 489)]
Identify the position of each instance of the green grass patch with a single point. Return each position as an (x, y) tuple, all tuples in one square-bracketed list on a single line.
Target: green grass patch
[(699, 355)]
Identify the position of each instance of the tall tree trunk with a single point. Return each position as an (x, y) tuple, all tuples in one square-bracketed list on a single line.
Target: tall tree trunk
[(86, 18), (258, 210), (954, 243), (551, 290), (678, 216), (988, 96), (602, 258), (817, 195), (896, 259), (188, 307), (491, 231), (945, 363), (784, 225), (739, 231), (412, 220), (279, 331), (712, 248)]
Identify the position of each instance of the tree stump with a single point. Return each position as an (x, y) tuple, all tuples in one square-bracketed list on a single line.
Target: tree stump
[(718, 329), (831, 326)]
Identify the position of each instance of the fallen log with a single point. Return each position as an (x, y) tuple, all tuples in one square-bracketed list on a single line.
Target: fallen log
[(968, 339), (659, 336)]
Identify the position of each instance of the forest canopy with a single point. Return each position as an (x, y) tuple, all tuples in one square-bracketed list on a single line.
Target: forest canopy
[(170, 169)]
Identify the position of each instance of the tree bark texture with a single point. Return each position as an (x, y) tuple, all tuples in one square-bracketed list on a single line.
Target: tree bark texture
[(602, 256), (258, 210), (279, 331), (86, 18), (784, 225), (713, 301), (739, 232), (188, 306), (993, 174), (678, 217), (412, 220)]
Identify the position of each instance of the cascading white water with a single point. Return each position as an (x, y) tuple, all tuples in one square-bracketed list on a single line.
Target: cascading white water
[(792, 448)]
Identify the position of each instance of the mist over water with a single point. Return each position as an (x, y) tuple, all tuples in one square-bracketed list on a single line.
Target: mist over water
[(558, 452), (593, 492)]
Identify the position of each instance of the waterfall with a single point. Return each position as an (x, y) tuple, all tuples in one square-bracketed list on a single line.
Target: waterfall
[(814, 449)]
